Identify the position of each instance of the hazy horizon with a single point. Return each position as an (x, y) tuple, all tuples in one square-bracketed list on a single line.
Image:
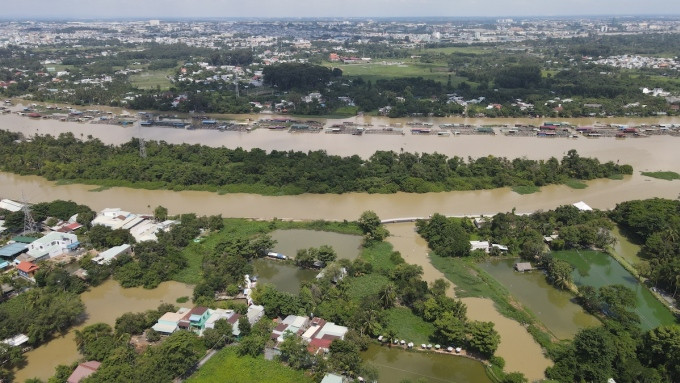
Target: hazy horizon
[(216, 9)]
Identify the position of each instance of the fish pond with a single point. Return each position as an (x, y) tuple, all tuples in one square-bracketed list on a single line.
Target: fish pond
[(288, 277), (395, 364), (598, 269), (554, 308)]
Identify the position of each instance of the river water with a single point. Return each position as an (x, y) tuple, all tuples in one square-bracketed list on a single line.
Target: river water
[(517, 346), (530, 360), (103, 303)]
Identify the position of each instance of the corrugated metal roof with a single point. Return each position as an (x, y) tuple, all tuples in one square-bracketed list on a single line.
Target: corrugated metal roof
[(13, 249)]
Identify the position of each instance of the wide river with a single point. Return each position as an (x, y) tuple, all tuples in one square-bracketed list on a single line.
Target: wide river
[(517, 347)]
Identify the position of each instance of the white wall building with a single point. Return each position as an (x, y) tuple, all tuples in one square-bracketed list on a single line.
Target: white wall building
[(53, 244)]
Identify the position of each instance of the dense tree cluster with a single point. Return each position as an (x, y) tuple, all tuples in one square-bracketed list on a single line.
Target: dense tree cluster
[(656, 223), (202, 167), (224, 268), (289, 76), (445, 236)]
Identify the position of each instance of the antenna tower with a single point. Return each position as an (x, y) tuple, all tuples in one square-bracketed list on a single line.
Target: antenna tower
[(29, 222)]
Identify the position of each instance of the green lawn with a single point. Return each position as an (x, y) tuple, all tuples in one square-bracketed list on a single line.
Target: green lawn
[(226, 366), (409, 326), (152, 79), (668, 176)]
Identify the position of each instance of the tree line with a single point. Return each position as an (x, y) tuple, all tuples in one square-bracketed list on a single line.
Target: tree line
[(236, 170)]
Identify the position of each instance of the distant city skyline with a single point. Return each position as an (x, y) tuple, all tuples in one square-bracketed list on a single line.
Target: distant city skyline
[(159, 9)]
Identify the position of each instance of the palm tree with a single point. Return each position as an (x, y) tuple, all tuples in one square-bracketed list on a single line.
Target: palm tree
[(387, 295)]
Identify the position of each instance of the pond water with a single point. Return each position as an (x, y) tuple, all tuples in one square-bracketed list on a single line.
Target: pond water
[(396, 364), (599, 269), (288, 242), (625, 248), (288, 277), (554, 308), (103, 303), (514, 336)]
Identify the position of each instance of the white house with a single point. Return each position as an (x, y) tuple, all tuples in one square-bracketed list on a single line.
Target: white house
[(53, 244), (105, 257)]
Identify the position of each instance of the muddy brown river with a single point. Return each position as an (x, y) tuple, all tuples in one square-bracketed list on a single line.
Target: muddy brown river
[(517, 346)]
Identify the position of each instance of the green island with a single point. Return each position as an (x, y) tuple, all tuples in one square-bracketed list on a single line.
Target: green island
[(668, 176), (196, 167)]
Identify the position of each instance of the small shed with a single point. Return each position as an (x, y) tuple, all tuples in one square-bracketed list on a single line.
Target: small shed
[(523, 266)]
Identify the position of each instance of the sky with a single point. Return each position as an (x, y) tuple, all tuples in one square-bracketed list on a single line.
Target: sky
[(159, 9)]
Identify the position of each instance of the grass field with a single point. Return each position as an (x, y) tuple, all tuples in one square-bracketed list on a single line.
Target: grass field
[(668, 176), (152, 79), (409, 326), (226, 366), (389, 69)]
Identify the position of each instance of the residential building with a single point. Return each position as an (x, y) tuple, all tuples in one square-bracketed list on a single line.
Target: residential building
[(53, 244), (105, 257), (27, 270), (169, 322)]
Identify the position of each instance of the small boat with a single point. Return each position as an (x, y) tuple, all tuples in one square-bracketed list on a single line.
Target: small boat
[(449, 349), (380, 338), (458, 350), (403, 342), (437, 347), (429, 346), (423, 346), (410, 345)]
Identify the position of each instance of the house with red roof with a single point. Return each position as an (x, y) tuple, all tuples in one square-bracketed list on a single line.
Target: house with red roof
[(27, 269)]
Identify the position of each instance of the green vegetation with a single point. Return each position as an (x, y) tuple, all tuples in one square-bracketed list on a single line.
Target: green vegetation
[(365, 285), (195, 167), (154, 79), (407, 325), (577, 184), (526, 189), (668, 176), (246, 369)]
